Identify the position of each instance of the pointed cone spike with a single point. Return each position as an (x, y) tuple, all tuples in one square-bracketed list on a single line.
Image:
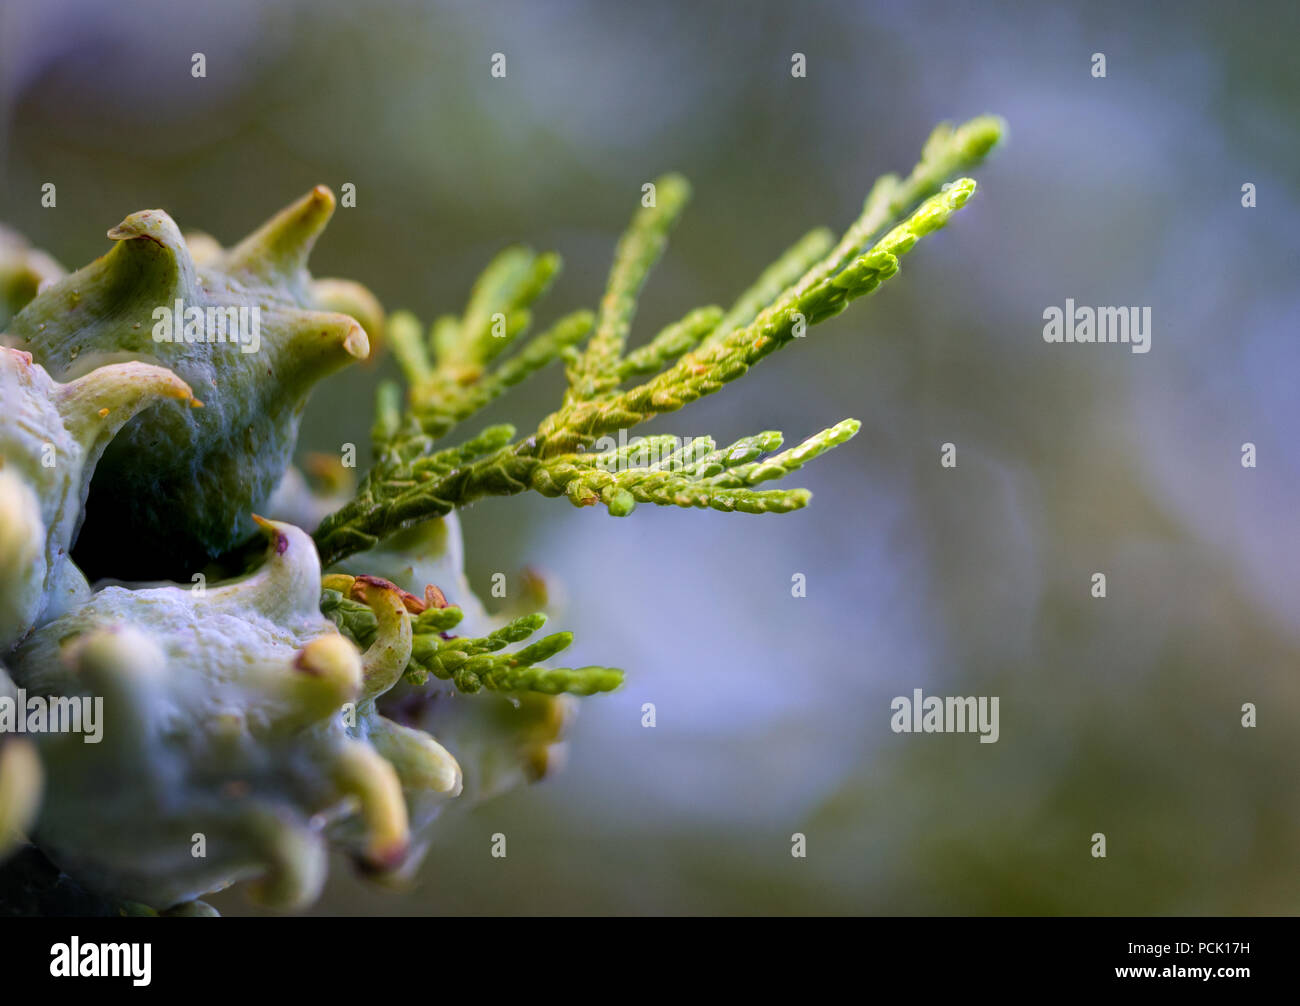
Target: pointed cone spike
[(100, 403), (288, 580), (343, 296), (322, 676), (21, 782), (314, 345), (150, 254), (280, 247), (361, 772), (299, 863), (127, 668), (422, 764), (333, 663)]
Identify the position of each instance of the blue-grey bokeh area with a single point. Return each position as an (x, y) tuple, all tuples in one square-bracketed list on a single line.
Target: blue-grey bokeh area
[(1119, 716)]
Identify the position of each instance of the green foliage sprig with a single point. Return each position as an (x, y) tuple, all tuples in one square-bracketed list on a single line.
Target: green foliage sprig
[(452, 372), (475, 663)]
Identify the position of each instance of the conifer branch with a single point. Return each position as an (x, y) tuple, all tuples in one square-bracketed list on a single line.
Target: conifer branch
[(450, 374), (822, 293)]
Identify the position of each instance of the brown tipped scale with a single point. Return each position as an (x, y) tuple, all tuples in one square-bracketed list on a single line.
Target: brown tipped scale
[(388, 655), (288, 580), (96, 406)]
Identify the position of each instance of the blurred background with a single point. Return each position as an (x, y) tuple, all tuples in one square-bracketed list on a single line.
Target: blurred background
[(1120, 715)]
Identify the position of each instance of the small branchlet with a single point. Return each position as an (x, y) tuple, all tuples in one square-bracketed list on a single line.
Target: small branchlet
[(597, 371), (471, 664), (695, 474)]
